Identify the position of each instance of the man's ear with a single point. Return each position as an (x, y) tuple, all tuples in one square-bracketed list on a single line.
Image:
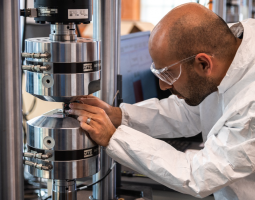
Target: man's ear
[(203, 64)]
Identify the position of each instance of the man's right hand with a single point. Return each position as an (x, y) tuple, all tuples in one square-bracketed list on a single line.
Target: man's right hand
[(114, 113)]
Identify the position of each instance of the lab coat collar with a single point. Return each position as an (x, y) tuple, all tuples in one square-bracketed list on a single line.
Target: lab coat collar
[(244, 55)]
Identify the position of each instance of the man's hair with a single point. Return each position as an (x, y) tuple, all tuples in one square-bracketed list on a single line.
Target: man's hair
[(191, 35)]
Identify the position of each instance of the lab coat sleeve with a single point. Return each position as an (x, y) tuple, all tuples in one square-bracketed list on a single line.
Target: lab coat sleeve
[(168, 118), (227, 156)]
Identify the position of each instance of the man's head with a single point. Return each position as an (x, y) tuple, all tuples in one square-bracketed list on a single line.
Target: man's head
[(188, 30)]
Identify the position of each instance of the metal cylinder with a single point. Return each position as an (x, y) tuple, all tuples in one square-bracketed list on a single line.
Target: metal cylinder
[(63, 32), (74, 154), (11, 162), (64, 190), (73, 68), (220, 8), (107, 29)]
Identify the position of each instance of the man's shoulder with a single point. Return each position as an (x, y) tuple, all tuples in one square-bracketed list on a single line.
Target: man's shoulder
[(242, 98)]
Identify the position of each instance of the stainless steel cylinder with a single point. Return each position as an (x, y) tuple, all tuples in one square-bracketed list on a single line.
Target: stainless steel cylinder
[(64, 190), (61, 87), (11, 165), (79, 51), (74, 68), (63, 32), (74, 154)]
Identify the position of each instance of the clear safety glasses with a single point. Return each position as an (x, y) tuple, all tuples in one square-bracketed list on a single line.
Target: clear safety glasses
[(168, 74)]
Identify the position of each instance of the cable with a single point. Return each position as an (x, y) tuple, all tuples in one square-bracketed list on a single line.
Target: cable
[(115, 97), (24, 27), (32, 107), (48, 197), (40, 190), (23, 49), (107, 173), (78, 31)]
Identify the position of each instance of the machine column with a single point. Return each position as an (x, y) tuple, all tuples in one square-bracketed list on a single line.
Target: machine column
[(220, 8), (107, 29), (11, 166)]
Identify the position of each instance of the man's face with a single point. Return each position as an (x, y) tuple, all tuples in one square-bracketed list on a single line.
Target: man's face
[(191, 87)]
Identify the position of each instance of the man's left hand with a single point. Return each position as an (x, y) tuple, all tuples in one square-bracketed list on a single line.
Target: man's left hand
[(100, 127)]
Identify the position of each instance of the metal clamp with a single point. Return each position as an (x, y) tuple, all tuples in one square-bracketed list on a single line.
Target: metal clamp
[(36, 68), (35, 55), (38, 166), (37, 155), (29, 12)]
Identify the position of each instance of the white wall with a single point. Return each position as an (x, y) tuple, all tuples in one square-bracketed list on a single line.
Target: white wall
[(154, 10)]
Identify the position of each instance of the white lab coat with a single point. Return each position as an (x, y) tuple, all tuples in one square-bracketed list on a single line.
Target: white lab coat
[(226, 118)]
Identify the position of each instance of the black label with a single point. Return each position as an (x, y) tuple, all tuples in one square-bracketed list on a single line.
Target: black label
[(72, 68), (70, 155)]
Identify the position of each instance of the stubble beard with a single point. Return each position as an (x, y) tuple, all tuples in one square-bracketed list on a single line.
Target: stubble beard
[(198, 88)]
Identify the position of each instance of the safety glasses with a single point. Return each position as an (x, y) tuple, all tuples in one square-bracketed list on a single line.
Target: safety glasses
[(168, 74)]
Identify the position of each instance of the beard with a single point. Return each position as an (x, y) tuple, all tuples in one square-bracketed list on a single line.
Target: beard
[(197, 90)]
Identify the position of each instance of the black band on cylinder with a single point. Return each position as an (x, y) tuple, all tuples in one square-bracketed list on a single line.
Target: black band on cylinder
[(70, 155)]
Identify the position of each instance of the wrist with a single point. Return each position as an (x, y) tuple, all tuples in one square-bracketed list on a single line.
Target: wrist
[(115, 114)]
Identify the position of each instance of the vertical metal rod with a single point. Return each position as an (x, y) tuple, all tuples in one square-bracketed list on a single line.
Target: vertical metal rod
[(11, 165), (116, 46), (220, 8), (250, 6), (97, 36), (107, 29)]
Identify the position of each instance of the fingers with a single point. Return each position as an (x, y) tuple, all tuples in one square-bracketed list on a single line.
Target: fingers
[(82, 113), (91, 104), (86, 97), (89, 96), (88, 108), (86, 127), (94, 102), (85, 118)]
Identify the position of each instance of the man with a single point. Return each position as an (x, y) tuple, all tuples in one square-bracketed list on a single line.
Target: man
[(211, 72)]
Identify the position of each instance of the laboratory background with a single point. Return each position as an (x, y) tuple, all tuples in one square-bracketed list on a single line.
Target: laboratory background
[(45, 161)]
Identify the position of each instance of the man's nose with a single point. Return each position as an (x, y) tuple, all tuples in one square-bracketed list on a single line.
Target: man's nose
[(164, 86)]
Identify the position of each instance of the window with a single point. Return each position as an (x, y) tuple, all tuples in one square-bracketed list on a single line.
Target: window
[(153, 10)]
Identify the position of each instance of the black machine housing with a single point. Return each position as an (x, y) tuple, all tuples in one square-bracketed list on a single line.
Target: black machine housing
[(65, 8)]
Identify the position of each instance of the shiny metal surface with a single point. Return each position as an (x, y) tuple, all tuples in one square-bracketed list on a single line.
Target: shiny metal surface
[(81, 50), (64, 131), (36, 68), (11, 164), (67, 170), (64, 134), (107, 29), (64, 190), (63, 32), (220, 8), (61, 87)]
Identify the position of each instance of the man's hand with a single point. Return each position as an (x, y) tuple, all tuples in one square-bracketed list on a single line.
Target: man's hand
[(100, 127), (114, 113)]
